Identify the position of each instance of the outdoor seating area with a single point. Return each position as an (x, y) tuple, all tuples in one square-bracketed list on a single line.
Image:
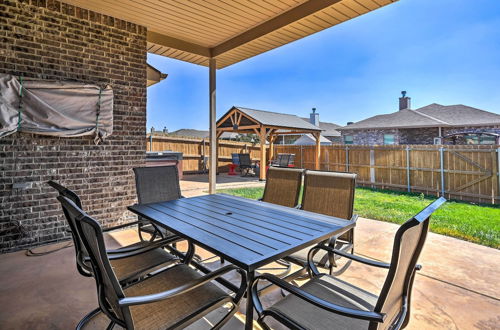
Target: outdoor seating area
[(154, 272), (104, 226)]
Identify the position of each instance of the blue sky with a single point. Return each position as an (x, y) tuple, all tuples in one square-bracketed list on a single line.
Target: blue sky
[(442, 51)]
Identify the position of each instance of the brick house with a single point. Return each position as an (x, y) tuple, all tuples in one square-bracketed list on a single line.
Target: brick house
[(431, 124), (56, 41)]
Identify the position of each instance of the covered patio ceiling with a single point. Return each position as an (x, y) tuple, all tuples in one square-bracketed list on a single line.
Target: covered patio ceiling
[(228, 30), (218, 33)]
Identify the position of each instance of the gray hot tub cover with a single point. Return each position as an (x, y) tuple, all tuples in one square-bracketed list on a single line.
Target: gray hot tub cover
[(56, 108)]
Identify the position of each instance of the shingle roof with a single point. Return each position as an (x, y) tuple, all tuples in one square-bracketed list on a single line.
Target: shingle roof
[(329, 129), (269, 118), (309, 140), (432, 115)]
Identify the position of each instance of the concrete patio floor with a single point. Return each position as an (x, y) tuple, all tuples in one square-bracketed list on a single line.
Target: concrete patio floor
[(456, 289)]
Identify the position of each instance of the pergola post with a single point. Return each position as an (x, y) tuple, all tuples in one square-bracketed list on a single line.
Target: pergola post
[(262, 137), (318, 150), (212, 170)]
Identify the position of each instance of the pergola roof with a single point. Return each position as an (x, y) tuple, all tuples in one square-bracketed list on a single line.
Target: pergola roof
[(239, 119), (229, 31)]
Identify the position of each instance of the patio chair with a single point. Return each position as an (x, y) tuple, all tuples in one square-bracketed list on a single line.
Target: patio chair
[(283, 162), (277, 161), (246, 165), (326, 302), (173, 298), (156, 184), (283, 186), (129, 262), (329, 193)]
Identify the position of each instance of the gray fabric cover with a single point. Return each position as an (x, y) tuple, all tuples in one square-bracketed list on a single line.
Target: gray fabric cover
[(56, 108), (333, 290)]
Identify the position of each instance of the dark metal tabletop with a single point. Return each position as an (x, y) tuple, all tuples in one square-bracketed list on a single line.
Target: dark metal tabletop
[(246, 232)]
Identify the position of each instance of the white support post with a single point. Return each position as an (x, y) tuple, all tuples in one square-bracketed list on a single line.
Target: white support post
[(347, 159), (498, 170), (212, 171)]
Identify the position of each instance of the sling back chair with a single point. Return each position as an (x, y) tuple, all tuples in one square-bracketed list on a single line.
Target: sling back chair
[(156, 184), (130, 263), (246, 165), (277, 161), (283, 186), (172, 298), (326, 302), (329, 193)]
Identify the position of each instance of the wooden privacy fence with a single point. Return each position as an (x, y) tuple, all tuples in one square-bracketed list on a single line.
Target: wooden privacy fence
[(464, 172), (195, 151)]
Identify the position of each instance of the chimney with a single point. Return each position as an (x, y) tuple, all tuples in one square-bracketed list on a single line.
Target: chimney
[(314, 117), (165, 130), (404, 101)]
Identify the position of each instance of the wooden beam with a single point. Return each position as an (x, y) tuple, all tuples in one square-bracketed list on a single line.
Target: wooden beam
[(185, 46), (307, 8), (318, 151), (240, 128), (263, 163)]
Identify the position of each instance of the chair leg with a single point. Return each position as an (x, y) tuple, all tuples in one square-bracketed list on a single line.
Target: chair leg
[(87, 318), (111, 325)]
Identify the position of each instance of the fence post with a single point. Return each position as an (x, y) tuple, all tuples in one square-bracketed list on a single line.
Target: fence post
[(301, 158), (441, 161), (498, 171), (408, 168), (372, 163), (327, 159), (347, 159)]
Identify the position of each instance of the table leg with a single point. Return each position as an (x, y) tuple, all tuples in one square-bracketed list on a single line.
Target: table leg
[(249, 312)]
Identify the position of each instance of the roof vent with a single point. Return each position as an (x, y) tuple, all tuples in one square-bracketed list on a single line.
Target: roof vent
[(350, 122)]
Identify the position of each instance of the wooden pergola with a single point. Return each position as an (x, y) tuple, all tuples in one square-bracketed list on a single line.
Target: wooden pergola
[(267, 126)]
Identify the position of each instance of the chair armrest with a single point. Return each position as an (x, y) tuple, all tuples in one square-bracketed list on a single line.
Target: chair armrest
[(318, 302), (136, 250), (151, 298), (354, 218), (120, 226)]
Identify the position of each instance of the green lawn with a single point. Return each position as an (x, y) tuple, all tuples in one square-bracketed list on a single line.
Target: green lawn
[(476, 223)]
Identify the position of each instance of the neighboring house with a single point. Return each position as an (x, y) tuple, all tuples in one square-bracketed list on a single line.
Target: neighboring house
[(432, 124), (329, 132)]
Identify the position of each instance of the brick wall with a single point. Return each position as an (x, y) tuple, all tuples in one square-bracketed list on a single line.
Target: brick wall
[(50, 40), (413, 135), (370, 136)]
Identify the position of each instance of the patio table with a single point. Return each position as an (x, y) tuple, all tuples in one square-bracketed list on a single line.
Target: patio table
[(248, 233)]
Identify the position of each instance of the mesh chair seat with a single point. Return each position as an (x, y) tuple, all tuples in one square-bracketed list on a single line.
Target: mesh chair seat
[(141, 264), (332, 290), (320, 258), (167, 313)]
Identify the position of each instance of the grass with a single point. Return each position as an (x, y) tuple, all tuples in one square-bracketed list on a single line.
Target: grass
[(475, 223)]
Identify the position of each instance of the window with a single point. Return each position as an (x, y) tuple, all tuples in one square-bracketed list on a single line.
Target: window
[(389, 139), (487, 139), (479, 139), (348, 139)]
